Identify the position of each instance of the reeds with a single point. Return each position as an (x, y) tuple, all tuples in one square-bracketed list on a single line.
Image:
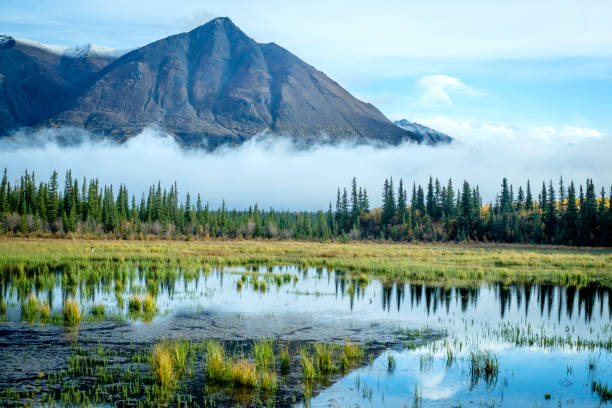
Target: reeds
[(285, 360), (484, 364), (243, 372), (217, 367), (264, 354), (72, 314), (148, 304), (308, 367), (98, 310), (29, 309), (134, 305), (162, 366), (324, 357)]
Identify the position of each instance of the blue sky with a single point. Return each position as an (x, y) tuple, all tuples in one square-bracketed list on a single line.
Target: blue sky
[(518, 66)]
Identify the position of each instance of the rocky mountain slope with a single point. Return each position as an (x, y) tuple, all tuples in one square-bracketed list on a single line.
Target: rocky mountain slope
[(211, 86)]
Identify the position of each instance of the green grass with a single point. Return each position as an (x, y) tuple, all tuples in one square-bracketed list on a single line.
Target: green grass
[(308, 367), (324, 353), (134, 305), (602, 390), (97, 310), (285, 360), (264, 354), (445, 264), (45, 311), (29, 309), (217, 366), (72, 314), (148, 304), (484, 364)]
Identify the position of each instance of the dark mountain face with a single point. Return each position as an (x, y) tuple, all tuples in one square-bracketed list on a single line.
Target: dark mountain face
[(428, 134), (211, 86), (33, 81)]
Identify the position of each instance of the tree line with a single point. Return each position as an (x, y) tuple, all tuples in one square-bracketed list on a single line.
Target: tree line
[(555, 214)]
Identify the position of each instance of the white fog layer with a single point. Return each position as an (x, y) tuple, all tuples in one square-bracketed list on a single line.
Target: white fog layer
[(272, 173)]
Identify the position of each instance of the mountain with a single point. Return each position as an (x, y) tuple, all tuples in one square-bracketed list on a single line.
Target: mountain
[(211, 86), (34, 77), (426, 134)]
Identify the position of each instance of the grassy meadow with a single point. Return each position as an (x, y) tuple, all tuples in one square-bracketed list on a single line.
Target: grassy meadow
[(444, 264)]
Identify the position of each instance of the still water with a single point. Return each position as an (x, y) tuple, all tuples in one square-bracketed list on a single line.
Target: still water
[(549, 343)]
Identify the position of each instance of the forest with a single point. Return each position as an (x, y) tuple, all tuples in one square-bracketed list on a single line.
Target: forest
[(555, 213)]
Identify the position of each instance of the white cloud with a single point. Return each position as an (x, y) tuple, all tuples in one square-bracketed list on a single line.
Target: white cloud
[(476, 132), (437, 89)]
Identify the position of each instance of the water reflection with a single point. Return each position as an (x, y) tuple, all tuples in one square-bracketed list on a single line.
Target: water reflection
[(194, 290)]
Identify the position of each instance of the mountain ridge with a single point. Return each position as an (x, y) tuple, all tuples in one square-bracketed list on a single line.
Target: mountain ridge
[(214, 86)]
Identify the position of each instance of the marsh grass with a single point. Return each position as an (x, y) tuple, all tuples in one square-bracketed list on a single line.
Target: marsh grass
[(309, 371), (602, 390), (391, 363), (485, 365), (324, 353), (217, 366), (29, 309), (285, 360), (134, 305), (267, 381), (351, 354), (98, 310), (148, 304), (72, 314), (163, 367), (243, 372), (441, 263), (45, 311), (264, 354)]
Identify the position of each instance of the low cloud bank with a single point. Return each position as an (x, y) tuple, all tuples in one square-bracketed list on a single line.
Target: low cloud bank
[(271, 172)]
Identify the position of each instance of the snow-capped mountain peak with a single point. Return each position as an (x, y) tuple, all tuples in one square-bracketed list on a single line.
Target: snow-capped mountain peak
[(78, 51)]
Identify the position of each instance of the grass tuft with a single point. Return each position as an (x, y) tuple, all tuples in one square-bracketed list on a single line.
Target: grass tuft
[(148, 304), (72, 314)]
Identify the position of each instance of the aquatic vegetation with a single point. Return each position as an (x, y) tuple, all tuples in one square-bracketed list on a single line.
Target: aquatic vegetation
[(45, 311), (391, 363), (602, 390), (72, 314), (268, 381), (483, 364), (324, 358), (423, 263), (162, 366), (217, 366), (29, 309), (264, 354), (351, 354), (308, 367), (97, 310), (148, 304), (134, 305), (285, 360), (243, 372), (2, 307)]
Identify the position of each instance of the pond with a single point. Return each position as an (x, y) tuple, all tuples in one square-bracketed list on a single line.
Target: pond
[(425, 345)]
